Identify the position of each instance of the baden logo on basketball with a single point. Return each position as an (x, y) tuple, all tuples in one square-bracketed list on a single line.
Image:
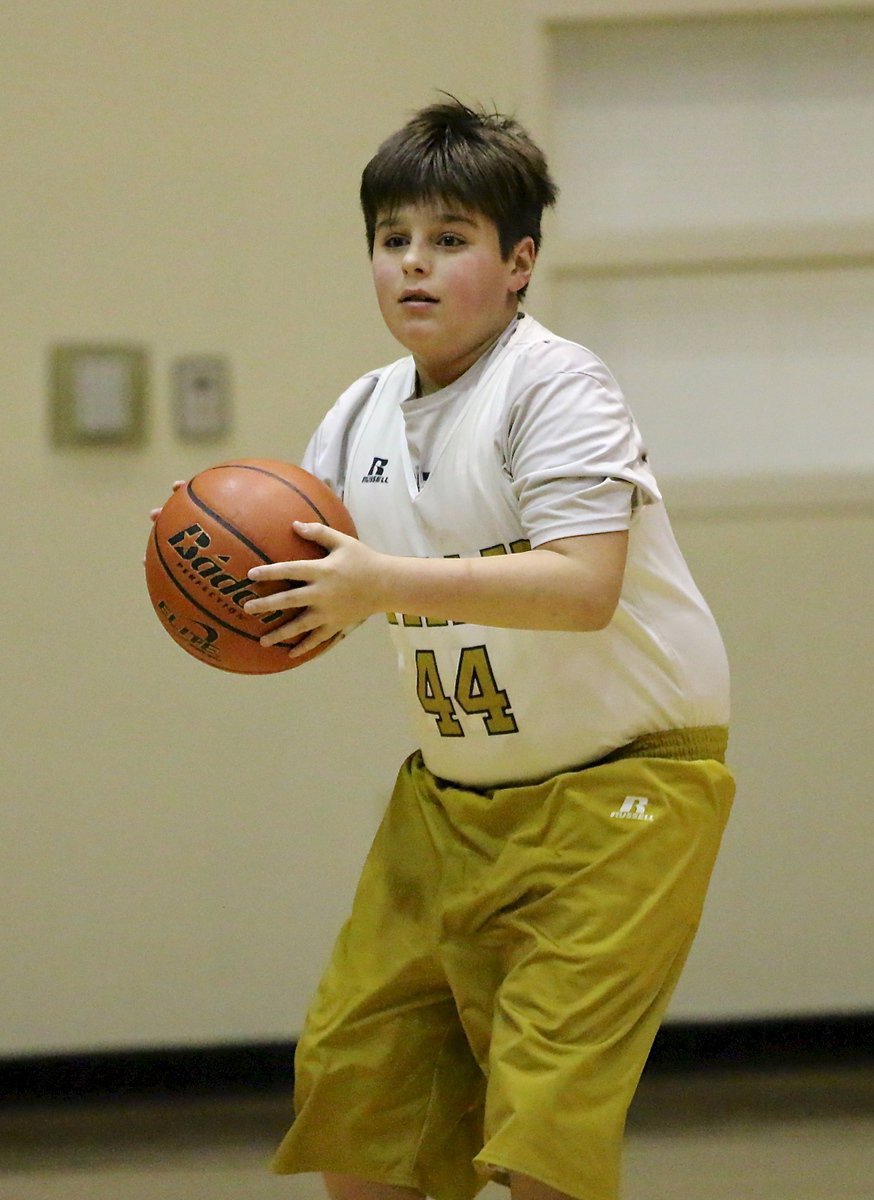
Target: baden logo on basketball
[(188, 541), (206, 538)]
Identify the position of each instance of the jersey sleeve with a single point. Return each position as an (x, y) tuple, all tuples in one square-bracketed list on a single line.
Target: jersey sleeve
[(327, 450), (573, 451)]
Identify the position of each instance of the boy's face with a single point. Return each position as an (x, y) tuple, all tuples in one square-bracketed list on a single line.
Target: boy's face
[(444, 289)]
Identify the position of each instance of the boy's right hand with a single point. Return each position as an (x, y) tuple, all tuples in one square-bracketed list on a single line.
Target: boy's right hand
[(153, 514)]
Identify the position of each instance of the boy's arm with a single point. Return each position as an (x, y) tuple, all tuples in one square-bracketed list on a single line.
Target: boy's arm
[(571, 584)]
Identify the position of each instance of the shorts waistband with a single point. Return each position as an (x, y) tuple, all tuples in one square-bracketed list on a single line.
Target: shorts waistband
[(699, 741)]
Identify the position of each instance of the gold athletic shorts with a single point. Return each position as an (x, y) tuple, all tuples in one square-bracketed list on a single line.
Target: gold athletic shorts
[(492, 1000)]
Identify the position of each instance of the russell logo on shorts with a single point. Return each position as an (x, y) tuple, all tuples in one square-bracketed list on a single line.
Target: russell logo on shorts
[(633, 808)]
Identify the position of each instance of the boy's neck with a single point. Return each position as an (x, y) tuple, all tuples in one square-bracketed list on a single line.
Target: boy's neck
[(504, 335)]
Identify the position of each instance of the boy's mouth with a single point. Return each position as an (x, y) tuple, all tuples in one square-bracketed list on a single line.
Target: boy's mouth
[(416, 296)]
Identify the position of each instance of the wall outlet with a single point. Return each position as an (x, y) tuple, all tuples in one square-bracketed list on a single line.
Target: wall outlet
[(201, 396)]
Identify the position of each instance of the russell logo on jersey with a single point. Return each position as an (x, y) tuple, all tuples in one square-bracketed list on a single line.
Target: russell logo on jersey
[(376, 472)]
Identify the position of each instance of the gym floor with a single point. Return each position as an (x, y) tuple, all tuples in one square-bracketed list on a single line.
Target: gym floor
[(793, 1135)]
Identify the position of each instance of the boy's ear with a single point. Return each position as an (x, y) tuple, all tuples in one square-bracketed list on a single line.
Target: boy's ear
[(522, 258)]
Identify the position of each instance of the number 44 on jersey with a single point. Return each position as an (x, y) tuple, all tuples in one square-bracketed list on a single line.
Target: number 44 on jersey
[(475, 692)]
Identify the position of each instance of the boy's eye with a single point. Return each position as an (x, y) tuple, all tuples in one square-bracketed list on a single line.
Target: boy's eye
[(450, 239), (393, 240)]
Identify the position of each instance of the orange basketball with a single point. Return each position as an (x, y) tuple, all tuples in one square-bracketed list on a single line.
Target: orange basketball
[(207, 537)]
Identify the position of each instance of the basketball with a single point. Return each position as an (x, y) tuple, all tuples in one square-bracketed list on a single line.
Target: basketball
[(206, 539)]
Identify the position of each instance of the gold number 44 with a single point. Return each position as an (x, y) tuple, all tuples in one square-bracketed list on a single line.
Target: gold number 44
[(476, 693)]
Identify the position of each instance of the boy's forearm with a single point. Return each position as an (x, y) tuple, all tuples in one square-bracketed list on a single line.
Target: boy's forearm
[(545, 588)]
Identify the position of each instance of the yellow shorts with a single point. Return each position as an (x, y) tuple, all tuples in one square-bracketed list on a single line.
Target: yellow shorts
[(492, 1000)]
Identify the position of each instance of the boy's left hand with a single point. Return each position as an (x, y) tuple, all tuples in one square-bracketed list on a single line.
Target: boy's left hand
[(333, 593)]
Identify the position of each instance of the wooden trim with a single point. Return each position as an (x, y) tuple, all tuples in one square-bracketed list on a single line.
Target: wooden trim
[(688, 251), (762, 495), (563, 12)]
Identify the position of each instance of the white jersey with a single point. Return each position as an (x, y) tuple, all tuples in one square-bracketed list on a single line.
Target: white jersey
[(533, 443)]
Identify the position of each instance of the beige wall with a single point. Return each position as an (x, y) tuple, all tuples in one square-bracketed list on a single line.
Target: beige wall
[(177, 845), (788, 928)]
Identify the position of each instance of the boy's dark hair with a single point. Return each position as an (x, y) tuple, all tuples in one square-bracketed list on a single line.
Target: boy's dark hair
[(482, 160)]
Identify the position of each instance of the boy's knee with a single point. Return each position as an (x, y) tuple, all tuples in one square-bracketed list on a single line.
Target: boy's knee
[(523, 1187), (351, 1187)]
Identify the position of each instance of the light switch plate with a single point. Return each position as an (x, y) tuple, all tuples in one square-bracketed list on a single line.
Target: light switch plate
[(201, 396), (98, 393)]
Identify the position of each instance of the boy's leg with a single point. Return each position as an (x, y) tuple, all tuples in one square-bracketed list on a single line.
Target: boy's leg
[(350, 1187), (388, 1096), (523, 1187), (582, 915)]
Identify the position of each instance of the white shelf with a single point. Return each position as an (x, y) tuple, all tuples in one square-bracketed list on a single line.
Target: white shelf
[(673, 251)]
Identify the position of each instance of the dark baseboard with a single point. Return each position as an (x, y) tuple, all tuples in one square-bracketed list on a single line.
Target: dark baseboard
[(841, 1040), (263, 1067), (143, 1073)]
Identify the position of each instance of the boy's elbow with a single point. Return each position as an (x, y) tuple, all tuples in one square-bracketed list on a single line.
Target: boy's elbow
[(596, 610), (594, 585), (600, 615)]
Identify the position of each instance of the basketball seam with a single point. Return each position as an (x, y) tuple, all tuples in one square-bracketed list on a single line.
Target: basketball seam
[(226, 525), (279, 479)]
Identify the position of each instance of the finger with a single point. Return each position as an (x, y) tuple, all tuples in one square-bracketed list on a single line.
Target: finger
[(288, 632), (289, 599), (318, 637), (156, 512), (322, 535), (300, 569)]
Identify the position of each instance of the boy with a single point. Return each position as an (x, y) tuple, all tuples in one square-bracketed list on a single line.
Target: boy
[(533, 890)]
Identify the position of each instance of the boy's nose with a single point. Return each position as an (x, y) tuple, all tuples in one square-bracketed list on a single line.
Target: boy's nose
[(414, 260)]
